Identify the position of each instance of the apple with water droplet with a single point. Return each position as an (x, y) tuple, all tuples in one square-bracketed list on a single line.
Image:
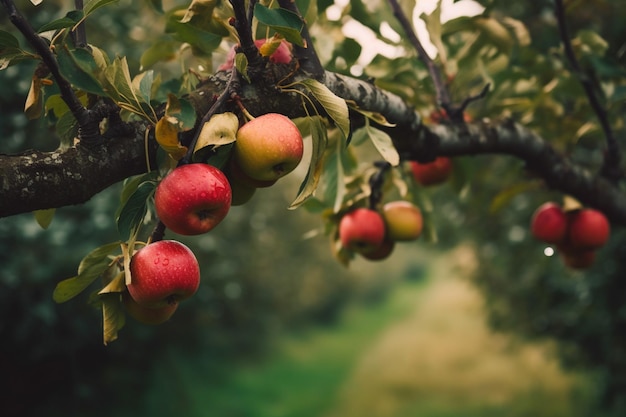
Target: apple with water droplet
[(163, 273), (193, 199), (268, 147)]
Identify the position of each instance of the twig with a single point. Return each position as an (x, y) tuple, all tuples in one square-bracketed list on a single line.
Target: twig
[(307, 57), (443, 95), (80, 35), (89, 129), (610, 168), (246, 41), (376, 182)]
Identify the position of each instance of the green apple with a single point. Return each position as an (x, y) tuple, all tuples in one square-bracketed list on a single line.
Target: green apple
[(163, 273), (268, 147), (193, 199), (362, 230), (403, 220), (147, 315)]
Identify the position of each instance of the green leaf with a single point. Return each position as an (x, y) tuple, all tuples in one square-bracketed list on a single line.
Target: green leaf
[(7, 40), (91, 267), (132, 214), (70, 19), (157, 5), (160, 51), (383, 144), (204, 41), (282, 21), (131, 185), (241, 64), (44, 217), (113, 318), (319, 141), (142, 86), (115, 285), (67, 129), (335, 106), (94, 5), (78, 68)]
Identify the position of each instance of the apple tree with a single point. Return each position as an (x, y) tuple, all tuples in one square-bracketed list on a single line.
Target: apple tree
[(521, 105)]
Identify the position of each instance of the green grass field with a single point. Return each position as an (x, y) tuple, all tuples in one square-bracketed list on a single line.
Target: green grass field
[(424, 350)]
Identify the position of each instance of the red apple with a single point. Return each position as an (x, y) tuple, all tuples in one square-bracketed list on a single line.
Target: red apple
[(163, 273), (268, 147), (362, 230), (432, 173), (381, 252), (577, 259), (588, 229), (403, 220), (281, 55), (147, 315), (549, 223), (193, 199)]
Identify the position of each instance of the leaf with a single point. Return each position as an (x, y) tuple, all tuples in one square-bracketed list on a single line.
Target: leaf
[(79, 67), (90, 268), (383, 144), (505, 196), (220, 130), (335, 106), (67, 129), (160, 51), (94, 5), (132, 214), (113, 318), (56, 104), (142, 86), (282, 21), (156, 5), (182, 110), (205, 42), (379, 118), (319, 140), (166, 134), (8, 41), (241, 64), (434, 28), (130, 186), (34, 101), (116, 285), (70, 19), (44, 217)]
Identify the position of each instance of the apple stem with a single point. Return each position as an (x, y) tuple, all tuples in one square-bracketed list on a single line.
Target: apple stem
[(245, 111)]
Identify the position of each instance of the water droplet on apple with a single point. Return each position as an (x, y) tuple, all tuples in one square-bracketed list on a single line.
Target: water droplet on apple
[(165, 262), (156, 260)]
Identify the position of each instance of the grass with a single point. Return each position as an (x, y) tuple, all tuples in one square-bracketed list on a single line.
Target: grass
[(424, 351)]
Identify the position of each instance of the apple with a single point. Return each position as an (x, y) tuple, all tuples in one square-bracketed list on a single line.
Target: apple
[(362, 230), (147, 315), (193, 199), (234, 173), (281, 55), (381, 252), (268, 147), (549, 223), (577, 259), (163, 273), (403, 221), (588, 229), (432, 173)]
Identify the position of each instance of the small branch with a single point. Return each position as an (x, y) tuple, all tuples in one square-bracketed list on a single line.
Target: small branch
[(246, 40), (80, 35), (443, 96), (612, 157), (307, 56), (376, 182), (81, 114)]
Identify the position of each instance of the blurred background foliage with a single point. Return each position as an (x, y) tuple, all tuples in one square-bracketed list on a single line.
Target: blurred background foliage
[(278, 327)]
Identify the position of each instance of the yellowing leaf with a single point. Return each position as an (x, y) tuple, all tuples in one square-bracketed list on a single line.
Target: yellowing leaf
[(117, 285), (319, 140), (384, 145), (112, 316), (335, 106), (166, 133), (34, 102), (44, 217), (220, 130)]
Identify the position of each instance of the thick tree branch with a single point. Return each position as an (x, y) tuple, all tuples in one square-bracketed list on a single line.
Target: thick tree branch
[(38, 180)]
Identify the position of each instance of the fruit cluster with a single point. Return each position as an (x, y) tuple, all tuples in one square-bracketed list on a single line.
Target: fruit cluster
[(373, 234), (577, 234), (194, 198)]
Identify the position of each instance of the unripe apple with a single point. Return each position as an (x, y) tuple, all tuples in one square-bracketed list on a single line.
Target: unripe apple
[(362, 230), (147, 315), (282, 54), (193, 199), (268, 147), (163, 273), (432, 173), (403, 220), (588, 229), (381, 252), (549, 223)]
